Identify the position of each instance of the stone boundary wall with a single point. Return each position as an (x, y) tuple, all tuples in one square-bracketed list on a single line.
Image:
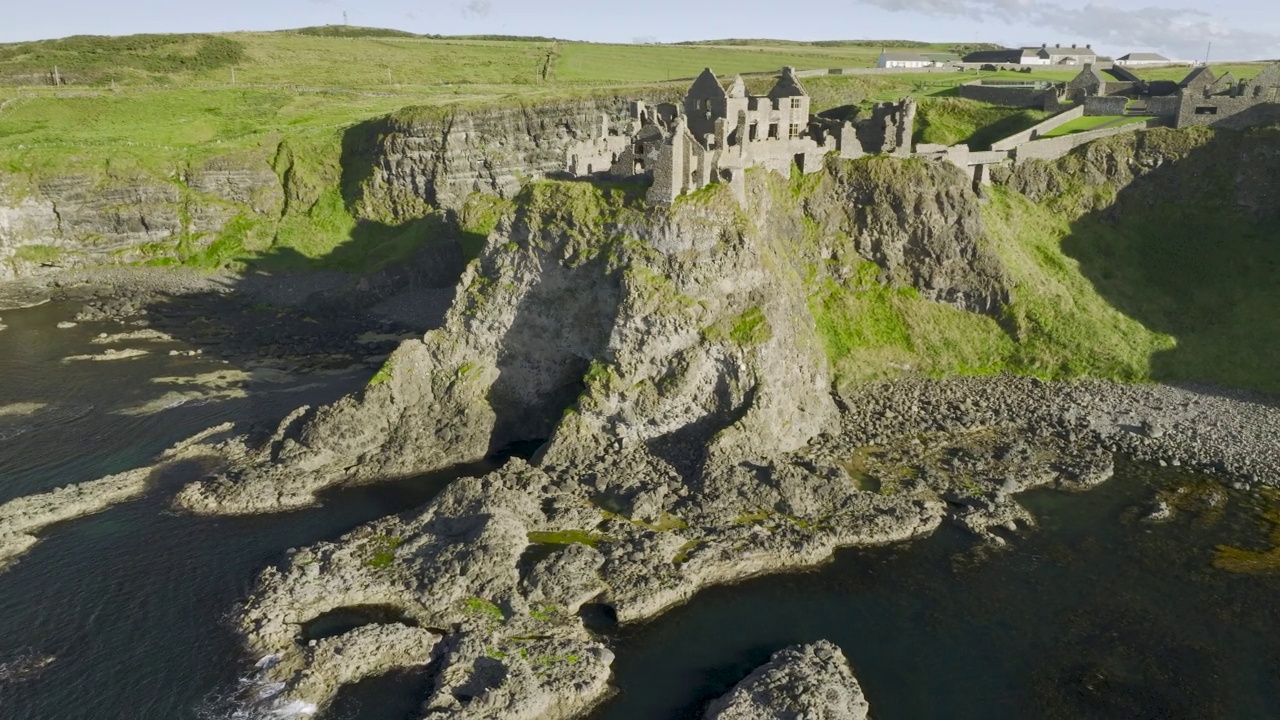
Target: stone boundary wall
[(1007, 96), (1013, 141), (946, 69), (1054, 148), (1105, 105), (1113, 87)]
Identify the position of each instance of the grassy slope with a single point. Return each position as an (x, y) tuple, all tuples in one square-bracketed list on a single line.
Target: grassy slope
[(953, 120), (1165, 280)]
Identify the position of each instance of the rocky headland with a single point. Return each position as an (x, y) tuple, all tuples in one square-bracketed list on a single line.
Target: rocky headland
[(680, 368)]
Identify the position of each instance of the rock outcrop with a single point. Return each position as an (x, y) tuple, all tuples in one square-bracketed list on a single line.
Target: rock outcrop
[(21, 518), (813, 682)]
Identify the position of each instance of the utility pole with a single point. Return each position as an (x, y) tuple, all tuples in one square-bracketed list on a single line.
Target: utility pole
[(344, 18), (57, 77), (1206, 53), (233, 76), (388, 75)]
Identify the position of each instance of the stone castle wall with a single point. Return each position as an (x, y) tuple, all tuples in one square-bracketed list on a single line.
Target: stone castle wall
[(1054, 148), (1022, 97), (1030, 134), (1229, 113), (1100, 105)]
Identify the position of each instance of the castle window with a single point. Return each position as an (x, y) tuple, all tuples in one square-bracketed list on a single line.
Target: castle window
[(795, 103), (794, 131), (639, 148), (1207, 110), (773, 131), (753, 132)]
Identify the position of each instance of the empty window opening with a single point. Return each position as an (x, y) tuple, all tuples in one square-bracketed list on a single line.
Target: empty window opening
[(639, 148), (753, 132), (773, 131), (639, 167), (1207, 110)]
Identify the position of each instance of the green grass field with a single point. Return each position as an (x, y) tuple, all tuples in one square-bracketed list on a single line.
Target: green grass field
[(1241, 71)]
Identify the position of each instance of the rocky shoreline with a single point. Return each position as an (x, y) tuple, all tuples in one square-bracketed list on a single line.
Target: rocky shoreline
[(21, 519), (519, 553)]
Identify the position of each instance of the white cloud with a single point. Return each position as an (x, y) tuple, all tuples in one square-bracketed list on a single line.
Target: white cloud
[(1180, 32), (477, 8)]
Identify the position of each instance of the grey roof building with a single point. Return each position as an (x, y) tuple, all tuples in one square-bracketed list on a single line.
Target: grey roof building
[(1139, 58)]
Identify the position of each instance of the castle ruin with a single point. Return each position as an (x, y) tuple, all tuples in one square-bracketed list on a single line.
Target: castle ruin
[(715, 135)]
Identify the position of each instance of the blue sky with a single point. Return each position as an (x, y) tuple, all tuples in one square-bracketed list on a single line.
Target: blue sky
[(1238, 29)]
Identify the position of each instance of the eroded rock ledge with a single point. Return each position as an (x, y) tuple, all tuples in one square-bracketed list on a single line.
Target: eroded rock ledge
[(812, 681), (22, 518)]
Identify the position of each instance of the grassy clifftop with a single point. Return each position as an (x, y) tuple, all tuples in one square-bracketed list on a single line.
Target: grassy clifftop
[(1143, 257)]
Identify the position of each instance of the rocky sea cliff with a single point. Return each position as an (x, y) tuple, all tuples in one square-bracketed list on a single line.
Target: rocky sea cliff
[(724, 390)]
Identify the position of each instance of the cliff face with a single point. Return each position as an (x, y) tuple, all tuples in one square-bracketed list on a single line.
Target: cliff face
[(1194, 167), (684, 336), (442, 157), (81, 220), (391, 171)]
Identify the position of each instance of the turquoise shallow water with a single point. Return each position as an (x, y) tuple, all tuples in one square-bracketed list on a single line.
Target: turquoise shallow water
[(1091, 615)]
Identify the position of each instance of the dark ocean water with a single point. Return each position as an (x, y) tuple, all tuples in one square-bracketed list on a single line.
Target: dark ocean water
[(1092, 615)]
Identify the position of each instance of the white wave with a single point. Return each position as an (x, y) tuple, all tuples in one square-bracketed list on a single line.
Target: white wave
[(268, 691), (293, 709)]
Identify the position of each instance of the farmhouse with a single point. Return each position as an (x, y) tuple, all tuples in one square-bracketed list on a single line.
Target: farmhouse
[(1059, 55), (902, 59), (1140, 59), (1043, 55), (909, 59)]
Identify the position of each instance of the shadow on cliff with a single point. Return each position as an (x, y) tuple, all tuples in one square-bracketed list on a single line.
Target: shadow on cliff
[(561, 325), (1192, 250), (310, 310)]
